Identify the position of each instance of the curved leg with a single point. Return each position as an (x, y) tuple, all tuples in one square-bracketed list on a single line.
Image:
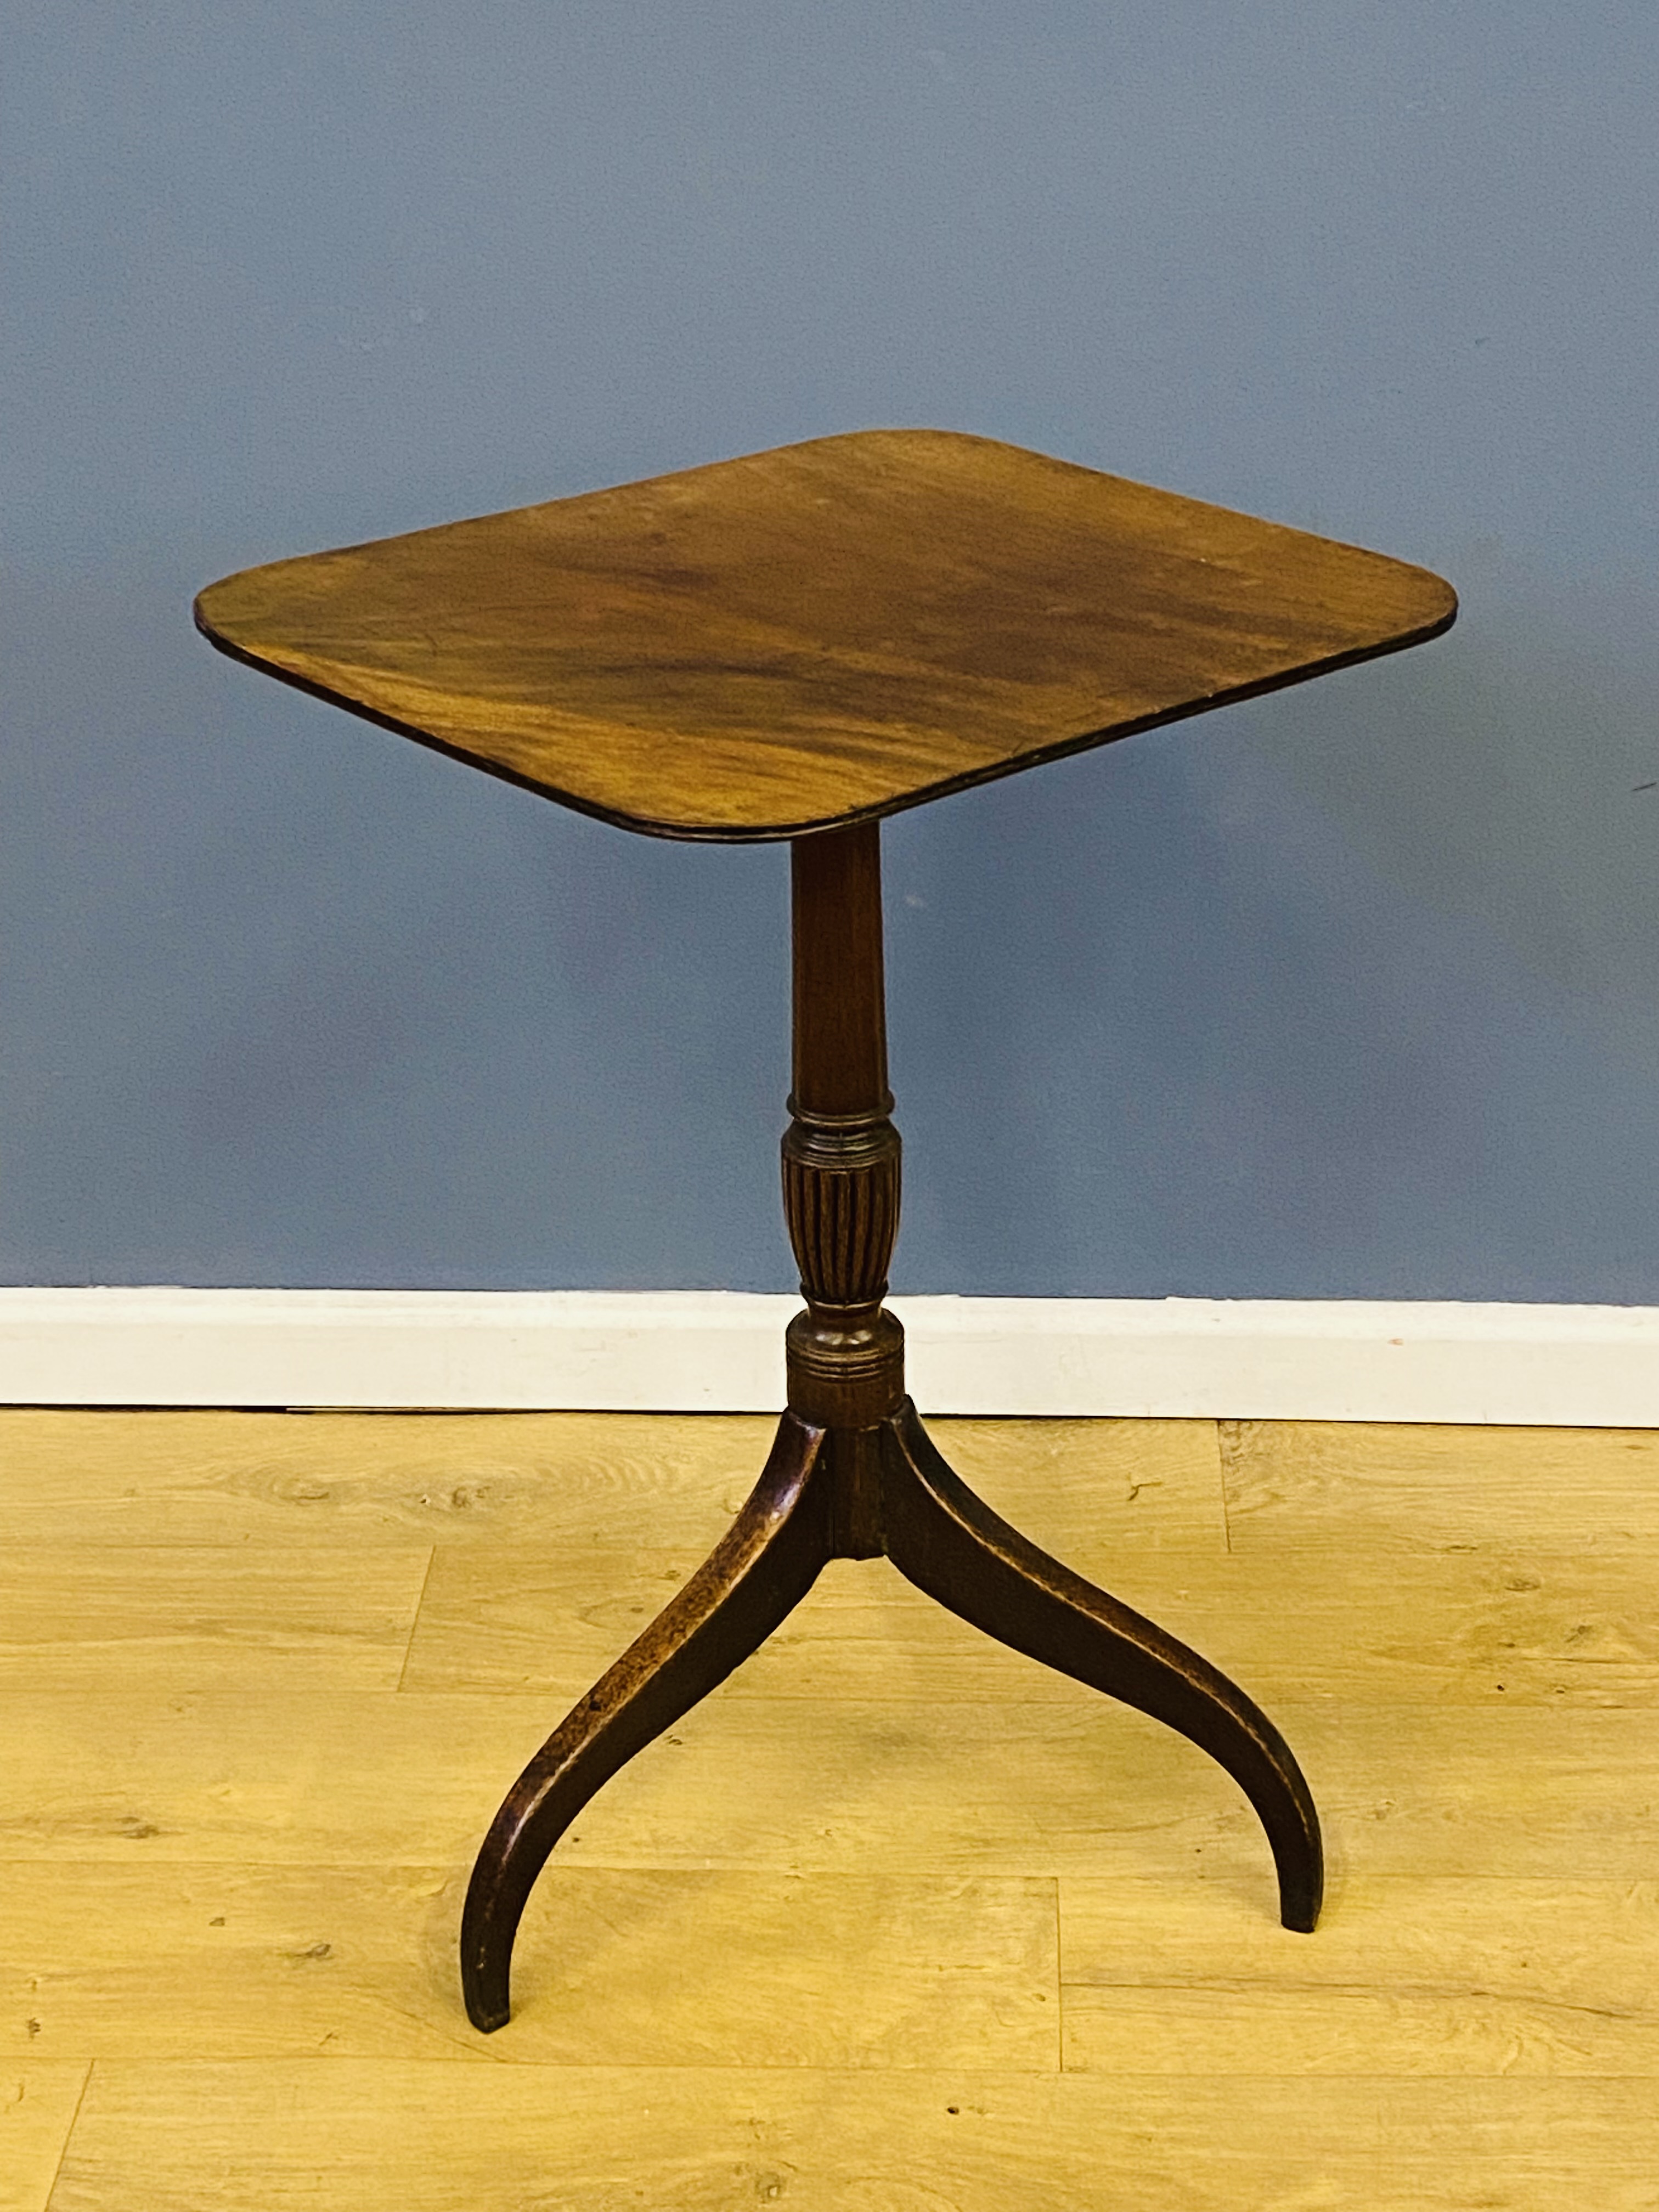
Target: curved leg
[(947, 1542), (761, 1568)]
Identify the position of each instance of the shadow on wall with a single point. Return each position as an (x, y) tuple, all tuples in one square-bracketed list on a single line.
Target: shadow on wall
[(1336, 994)]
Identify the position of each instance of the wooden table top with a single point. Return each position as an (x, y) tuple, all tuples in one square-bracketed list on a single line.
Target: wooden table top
[(817, 634)]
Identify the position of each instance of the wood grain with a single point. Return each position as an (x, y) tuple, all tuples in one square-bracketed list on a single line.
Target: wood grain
[(552, 1616), (397, 2135), (824, 1893), (1516, 1627), (646, 1967), (1370, 1487), (816, 634), (760, 1570), (617, 1482), (95, 1613), (1410, 1975), (39, 2098), (336, 1777)]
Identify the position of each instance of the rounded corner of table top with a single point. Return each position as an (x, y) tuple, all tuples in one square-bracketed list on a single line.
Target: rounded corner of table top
[(1444, 600), (202, 619)]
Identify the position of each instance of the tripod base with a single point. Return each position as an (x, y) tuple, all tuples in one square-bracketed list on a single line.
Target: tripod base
[(837, 1492)]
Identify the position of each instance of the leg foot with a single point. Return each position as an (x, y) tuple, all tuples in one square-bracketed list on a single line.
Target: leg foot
[(760, 1571), (947, 1542)]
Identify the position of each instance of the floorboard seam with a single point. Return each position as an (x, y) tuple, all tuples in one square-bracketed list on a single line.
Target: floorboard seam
[(68, 2136), (1221, 1484), (1060, 1985), (415, 1619)]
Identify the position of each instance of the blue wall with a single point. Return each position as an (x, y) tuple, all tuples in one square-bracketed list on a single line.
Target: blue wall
[(1346, 993)]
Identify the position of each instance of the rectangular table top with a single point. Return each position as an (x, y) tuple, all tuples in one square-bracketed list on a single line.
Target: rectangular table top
[(817, 634)]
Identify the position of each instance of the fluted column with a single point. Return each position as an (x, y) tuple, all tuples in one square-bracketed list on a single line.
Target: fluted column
[(840, 1152)]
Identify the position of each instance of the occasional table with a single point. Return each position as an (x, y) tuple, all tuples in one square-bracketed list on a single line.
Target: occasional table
[(793, 645)]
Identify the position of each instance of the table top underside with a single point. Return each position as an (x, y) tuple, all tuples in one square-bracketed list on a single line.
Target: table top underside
[(817, 634)]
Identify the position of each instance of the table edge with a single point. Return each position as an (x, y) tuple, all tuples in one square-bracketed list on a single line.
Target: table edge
[(777, 833)]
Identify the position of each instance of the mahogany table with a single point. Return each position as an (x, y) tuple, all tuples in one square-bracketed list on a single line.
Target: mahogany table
[(793, 645)]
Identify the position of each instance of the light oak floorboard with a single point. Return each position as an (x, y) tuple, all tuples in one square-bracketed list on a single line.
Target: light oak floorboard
[(90, 1615), (301, 1775), (346, 1481), (615, 1480), (1528, 1627), (1364, 1489), (400, 2136), (886, 1870), (1038, 1788), (649, 1967), (1406, 1975), (39, 2098)]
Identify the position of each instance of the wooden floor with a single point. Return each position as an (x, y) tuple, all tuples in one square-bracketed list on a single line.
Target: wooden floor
[(894, 1922)]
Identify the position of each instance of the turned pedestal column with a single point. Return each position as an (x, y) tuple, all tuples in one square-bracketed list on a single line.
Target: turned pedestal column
[(853, 1474)]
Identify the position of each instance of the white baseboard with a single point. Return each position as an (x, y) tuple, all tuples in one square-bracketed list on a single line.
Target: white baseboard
[(714, 1351)]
